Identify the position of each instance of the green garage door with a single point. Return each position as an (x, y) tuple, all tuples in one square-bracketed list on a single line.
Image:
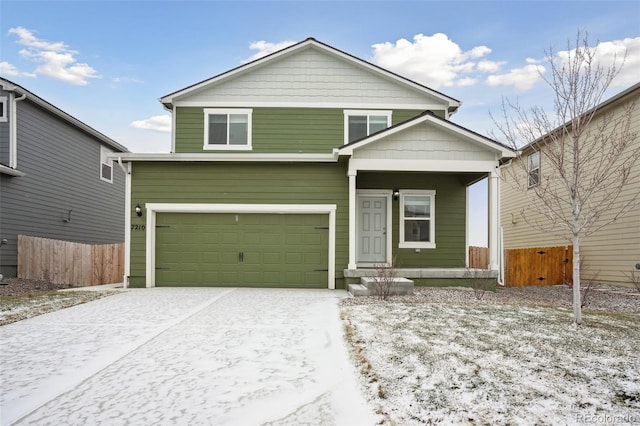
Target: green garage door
[(253, 250)]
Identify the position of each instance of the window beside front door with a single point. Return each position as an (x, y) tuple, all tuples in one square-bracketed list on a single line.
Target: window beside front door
[(360, 124), (417, 219), (227, 129)]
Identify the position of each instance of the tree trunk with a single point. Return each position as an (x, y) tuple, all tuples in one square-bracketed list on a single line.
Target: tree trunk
[(577, 302)]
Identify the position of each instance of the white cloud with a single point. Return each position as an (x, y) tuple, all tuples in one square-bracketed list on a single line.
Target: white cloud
[(159, 123), (487, 66), (432, 60), (57, 60), (7, 69), (265, 48), (614, 51), (521, 78)]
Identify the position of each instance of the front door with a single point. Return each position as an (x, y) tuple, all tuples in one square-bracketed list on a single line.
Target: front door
[(372, 229)]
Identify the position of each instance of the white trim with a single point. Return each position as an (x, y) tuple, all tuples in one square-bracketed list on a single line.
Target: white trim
[(485, 166), (106, 158), (366, 112), (230, 157), (153, 208), (173, 130), (466, 227), (352, 221), (432, 219), (315, 105), (450, 103), (436, 121), (227, 111), (388, 194), (493, 188), (127, 226), (4, 116)]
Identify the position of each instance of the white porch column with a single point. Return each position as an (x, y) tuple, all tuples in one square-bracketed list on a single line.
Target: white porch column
[(494, 219), (352, 220)]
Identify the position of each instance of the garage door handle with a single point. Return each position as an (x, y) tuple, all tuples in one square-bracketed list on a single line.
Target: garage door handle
[(241, 256)]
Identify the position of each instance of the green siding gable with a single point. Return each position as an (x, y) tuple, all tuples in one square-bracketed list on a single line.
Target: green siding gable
[(278, 130)]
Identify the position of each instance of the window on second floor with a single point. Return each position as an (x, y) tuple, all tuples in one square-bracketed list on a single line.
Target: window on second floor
[(227, 129), (106, 165), (533, 169), (3, 109), (360, 124)]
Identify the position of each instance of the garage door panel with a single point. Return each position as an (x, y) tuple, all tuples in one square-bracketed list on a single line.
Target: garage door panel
[(275, 250)]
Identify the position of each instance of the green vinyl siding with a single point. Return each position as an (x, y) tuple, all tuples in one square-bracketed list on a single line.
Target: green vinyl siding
[(278, 130), (450, 204), (238, 183)]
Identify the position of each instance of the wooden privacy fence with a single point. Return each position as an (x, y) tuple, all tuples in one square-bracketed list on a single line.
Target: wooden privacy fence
[(66, 262), (478, 257), (538, 266)]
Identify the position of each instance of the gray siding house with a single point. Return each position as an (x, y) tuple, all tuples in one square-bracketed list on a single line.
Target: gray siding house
[(56, 179)]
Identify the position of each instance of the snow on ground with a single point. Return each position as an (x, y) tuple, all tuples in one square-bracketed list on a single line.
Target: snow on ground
[(183, 357), (496, 364)]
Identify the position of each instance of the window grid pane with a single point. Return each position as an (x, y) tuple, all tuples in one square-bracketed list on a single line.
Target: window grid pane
[(417, 230), (357, 127), (238, 129), (217, 129), (377, 123), (417, 207)]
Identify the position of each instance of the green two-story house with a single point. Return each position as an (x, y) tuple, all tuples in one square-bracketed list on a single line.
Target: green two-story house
[(306, 168)]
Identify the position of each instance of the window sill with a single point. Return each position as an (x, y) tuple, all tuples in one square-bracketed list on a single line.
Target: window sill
[(227, 148), (11, 172), (417, 245)]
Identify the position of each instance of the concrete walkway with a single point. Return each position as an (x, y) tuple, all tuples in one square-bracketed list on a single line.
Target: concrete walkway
[(189, 356)]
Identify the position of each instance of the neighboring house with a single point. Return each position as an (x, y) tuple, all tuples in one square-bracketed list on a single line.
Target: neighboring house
[(56, 179), (306, 168), (608, 255)]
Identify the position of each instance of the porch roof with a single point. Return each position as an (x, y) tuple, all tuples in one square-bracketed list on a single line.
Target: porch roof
[(437, 123)]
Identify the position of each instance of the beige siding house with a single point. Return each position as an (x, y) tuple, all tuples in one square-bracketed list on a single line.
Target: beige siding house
[(609, 254)]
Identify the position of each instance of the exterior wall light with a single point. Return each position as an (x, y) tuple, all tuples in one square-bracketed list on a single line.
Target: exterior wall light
[(138, 210), (396, 194)]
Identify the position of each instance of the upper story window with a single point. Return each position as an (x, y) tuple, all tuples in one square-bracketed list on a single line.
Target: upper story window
[(106, 165), (417, 219), (360, 124), (533, 169), (227, 129), (3, 109)]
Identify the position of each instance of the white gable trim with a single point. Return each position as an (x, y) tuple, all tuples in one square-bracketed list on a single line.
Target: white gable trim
[(503, 151), (169, 100)]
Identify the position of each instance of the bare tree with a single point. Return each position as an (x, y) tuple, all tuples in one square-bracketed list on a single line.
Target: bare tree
[(588, 152)]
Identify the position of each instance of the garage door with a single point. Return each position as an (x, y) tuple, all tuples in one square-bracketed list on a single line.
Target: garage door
[(253, 250)]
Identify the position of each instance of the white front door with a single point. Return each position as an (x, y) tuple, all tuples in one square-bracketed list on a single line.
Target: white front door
[(372, 229)]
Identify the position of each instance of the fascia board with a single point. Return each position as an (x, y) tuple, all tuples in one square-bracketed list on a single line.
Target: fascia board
[(226, 157)]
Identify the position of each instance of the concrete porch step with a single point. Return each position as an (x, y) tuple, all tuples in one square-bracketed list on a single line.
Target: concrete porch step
[(399, 286)]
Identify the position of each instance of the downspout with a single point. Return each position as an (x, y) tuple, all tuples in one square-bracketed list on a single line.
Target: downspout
[(13, 134), (127, 223)]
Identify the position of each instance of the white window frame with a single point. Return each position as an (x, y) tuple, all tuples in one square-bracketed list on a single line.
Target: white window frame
[(432, 220), (4, 115), (227, 112), (104, 152), (368, 112), (530, 170)]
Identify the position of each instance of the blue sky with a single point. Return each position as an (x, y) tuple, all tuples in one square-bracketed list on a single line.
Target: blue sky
[(108, 62)]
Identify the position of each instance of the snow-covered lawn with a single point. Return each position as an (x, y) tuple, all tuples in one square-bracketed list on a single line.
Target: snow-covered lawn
[(496, 364)]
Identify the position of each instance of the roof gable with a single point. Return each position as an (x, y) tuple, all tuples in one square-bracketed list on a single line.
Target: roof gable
[(428, 133), (311, 74)]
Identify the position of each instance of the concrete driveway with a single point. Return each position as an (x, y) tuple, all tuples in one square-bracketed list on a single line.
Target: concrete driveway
[(167, 356)]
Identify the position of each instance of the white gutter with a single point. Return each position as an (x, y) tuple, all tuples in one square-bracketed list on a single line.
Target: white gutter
[(127, 223), (228, 157)]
